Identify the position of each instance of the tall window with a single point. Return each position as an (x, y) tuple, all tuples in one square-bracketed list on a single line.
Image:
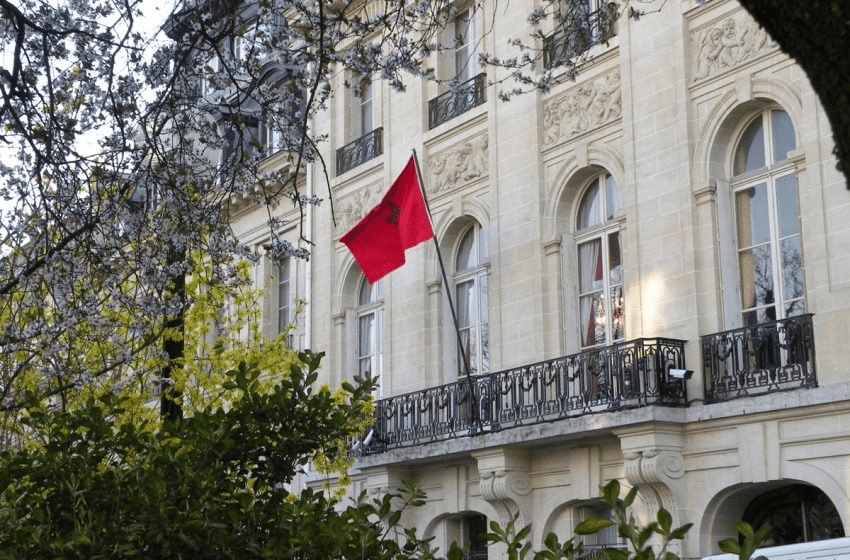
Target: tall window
[(767, 219), (471, 286), (363, 105), (465, 55), (370, 327), (284, 295), (600, 268)]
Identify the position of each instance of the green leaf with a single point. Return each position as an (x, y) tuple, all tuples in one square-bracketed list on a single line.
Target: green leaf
[(592, 525)]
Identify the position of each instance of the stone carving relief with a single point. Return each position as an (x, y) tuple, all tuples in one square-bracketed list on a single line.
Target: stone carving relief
[(723, 45), (354, 207), (458, 165), (581, 109), (509, 492)]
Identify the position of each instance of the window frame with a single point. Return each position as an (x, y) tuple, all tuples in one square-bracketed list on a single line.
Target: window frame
[(607, 225), (373, 308), (477, 276), (767, 176)]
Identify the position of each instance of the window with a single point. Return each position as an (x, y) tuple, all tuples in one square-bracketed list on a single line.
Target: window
[(600, 268), (284, 295), (580, 25), (468, 532), (370, 327), (363, 120), (797, 513), (471, 288), (606, 538), (465, 56), (767, 220)]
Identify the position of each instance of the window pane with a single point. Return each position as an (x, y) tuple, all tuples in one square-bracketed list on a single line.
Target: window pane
[(592, 314), (367, 339), (612, 196), (752, 216), (615, 267), (759, 316), (750, 152), (484, 313), (784, 137), (466, 315), (590, 266), (786, 203), (589, 211), (618, 313), (466, 258), (792, 268), (756, 277)]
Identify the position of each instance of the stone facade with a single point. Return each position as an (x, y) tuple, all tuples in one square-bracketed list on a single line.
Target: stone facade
[(661, 109)]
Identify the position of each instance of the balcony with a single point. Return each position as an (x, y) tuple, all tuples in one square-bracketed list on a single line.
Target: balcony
[(457, 100), (760, 359), (579, 33), (368, 146), (627, 375)]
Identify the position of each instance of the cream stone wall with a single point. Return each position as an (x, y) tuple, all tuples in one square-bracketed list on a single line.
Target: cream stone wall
[(660, 108)]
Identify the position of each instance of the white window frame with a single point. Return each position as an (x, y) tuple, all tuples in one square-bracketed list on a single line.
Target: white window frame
[(477, 305), (769, 177), (373, 309), (611, 324), (464, 28)]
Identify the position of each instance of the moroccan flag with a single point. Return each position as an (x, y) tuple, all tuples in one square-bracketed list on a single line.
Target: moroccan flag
[(399, 222)]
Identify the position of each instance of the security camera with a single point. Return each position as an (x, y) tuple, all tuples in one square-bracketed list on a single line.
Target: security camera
[(681, 373), (368, 439)]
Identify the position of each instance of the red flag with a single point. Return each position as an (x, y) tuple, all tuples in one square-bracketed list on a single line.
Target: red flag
[(399, 222)]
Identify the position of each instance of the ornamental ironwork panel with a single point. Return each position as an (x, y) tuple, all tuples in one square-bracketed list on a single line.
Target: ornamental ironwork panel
[(626, 375), (459, 99), (368, 146), (580, 31), (755, 360)]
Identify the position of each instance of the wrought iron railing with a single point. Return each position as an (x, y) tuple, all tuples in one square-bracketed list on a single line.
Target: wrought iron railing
[(368, 146), (594, 551), (626, 375), (580, 30), (765, 358), (459, 99)]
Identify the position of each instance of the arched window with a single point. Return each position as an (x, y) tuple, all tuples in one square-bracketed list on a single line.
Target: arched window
[(600, 268), (471, 288), (764, 187), (370, 328), (796, 513)]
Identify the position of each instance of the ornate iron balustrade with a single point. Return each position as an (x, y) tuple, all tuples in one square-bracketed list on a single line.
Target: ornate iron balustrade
[(594, 551), (368, 146), (627, 375), (766, 358), (580, 32), (457, 100)]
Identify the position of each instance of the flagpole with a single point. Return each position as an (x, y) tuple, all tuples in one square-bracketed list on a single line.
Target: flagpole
[(472, 398)]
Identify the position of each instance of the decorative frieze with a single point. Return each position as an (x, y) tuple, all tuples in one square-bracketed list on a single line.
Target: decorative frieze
[(456, 166), (723, 45), (583, 108), (352, 208)]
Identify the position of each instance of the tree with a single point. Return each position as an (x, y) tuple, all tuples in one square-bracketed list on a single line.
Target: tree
[(817, 35), (92, 484)]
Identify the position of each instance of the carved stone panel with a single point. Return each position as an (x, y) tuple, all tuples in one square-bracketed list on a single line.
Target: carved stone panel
[(723, 45), (583, 108), (352, 208), (458, 165)]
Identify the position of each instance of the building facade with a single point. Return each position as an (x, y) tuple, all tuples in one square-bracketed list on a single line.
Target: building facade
[(650, 266)]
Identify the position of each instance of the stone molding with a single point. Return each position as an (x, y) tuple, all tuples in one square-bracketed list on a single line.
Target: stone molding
[(582, 108), (505, 484)]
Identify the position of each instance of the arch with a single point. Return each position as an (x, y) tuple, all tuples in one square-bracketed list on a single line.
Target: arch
[(559, 212), (346, 283), (714, 140), (727, 506)]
